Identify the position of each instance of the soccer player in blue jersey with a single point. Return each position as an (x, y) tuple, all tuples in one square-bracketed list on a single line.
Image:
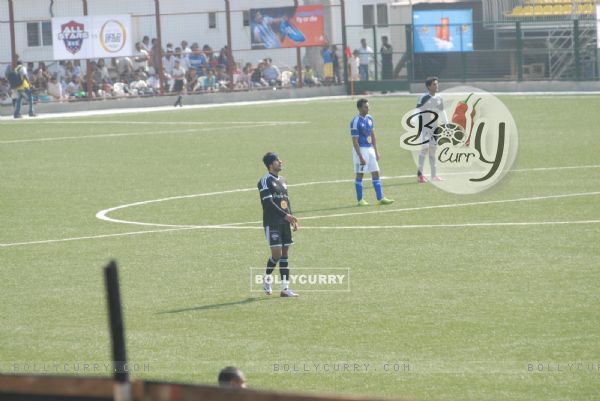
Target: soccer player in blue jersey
[(277, 219), (365, 154), (432, 102)]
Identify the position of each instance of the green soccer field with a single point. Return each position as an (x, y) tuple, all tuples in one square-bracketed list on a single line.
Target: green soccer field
[(491, 296)]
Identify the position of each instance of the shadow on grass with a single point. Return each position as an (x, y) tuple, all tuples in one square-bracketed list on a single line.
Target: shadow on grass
[(217, 306)]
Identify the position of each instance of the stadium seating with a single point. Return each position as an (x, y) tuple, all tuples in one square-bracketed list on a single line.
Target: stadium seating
[(556, 8)]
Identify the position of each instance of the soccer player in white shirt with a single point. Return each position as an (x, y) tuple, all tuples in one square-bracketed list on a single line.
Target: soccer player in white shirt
[(433, 103)]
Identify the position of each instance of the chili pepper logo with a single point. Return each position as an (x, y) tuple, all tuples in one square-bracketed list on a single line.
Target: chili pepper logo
[(459, 117)]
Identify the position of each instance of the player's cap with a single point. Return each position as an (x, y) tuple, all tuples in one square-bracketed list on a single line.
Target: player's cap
[(269, 158)]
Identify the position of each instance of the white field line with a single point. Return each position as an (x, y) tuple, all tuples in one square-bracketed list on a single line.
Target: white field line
[(161, 132), (339, 99), (103, 214), (172, 122), (170, 228)]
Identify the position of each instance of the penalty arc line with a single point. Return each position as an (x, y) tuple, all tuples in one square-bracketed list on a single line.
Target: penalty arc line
[(238, 226)]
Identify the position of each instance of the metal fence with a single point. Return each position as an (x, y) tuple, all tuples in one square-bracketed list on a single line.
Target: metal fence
[(558, 49)]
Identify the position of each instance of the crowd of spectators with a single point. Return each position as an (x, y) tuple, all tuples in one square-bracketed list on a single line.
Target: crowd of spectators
[(201, 69)]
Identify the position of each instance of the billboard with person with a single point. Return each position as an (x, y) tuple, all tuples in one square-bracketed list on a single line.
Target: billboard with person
[(443, 30), (279, 27)]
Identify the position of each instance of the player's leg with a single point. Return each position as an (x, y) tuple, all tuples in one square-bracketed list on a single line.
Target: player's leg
[(287, 241), (359, 169), (422, 154), (18, 102), (274, 240), (374, 168), (432, 152)]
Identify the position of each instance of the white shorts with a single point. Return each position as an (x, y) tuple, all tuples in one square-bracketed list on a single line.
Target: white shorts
[(369, 155)]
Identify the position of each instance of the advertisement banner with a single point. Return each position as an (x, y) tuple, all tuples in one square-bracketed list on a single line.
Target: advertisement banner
[(90, 37), (598, 25), (283, 27), (443, 30)]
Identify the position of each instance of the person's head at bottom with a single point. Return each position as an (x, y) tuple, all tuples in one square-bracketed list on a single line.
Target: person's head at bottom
[(232, 377)]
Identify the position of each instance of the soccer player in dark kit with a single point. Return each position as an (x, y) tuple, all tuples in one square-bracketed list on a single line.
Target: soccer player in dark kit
[(278, 222)]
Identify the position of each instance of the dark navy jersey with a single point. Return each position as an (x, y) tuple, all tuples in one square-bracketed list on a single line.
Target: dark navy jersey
[(274, 198), (362, 127)]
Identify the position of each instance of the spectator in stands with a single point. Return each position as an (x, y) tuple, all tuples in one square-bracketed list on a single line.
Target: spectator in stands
[(125, 69), (364, 55), (55, 88), (58, 69), (221, 75), (335, 57), (168, 60), (191, 78), (74, 87), (327, 65), (211, 59), (223, 58), (256, 77), (5, 92), (310, 77), (185, 49), (140, 58), (355, 66), (208, 82), (183, 57), (41, 77), (77, 70), (179, 83), (103, 74), (232, 377), (197, 58), (145, 43), (271, 73), (386, 58)]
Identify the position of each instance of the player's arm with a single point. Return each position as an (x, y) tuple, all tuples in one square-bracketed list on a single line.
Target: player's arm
[(357, 149), (293, 221), (374, 143), (443, 115)]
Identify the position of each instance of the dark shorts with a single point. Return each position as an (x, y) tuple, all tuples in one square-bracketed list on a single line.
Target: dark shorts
[(279, 235), (178, 85)]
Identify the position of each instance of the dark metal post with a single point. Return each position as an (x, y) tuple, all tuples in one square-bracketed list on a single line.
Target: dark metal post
[(577, 54), (409, 51), (11, 24), (519, 52), (122, 387), (159, 70), (230, 67), (298, 60), (88, 65), (375, 50), (345, 46)]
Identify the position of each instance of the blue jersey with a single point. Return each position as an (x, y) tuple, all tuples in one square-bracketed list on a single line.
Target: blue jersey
[(362, 127), (268, 37)]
